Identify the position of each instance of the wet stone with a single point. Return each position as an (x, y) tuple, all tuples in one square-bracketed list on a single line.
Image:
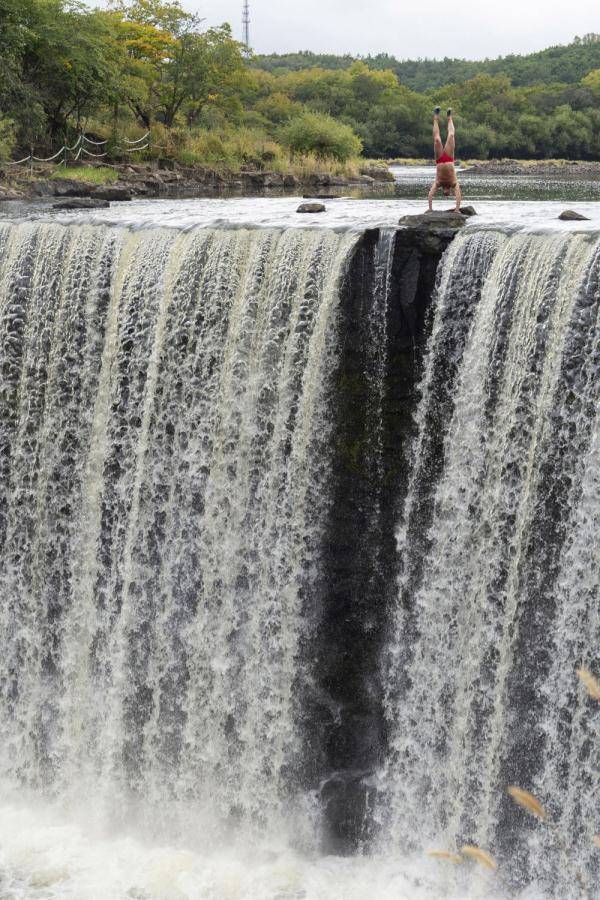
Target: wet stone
[(82, 203), (311, 208), (570, 215)]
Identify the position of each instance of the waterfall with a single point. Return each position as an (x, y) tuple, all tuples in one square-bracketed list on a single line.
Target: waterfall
[(499, 564), (164, 468), (257, 600)]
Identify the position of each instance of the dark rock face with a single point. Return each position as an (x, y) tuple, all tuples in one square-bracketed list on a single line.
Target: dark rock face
[(312, 208), (373, 402), (569, 215), (64, 187), (82, 203), (167, 178), (7, 193), (112, 193), (321, 196)]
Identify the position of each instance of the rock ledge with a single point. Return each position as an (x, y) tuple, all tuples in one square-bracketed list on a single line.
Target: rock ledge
[(436, 219)]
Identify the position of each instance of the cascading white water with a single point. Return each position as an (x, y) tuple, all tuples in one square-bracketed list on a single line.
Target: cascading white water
[(165, 472), (163, 479), (498, 599)]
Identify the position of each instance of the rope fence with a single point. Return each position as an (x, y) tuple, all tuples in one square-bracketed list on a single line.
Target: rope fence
[(136, 146)]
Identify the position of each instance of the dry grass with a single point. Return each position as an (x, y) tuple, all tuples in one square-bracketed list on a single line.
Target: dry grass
[(409, 161), (228, 151)]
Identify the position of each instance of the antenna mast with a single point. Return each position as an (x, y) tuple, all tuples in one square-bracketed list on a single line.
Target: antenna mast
[(246, 25)]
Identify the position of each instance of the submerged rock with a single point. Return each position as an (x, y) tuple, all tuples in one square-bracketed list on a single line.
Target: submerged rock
[(312, 208), (82, 203), (569, 215)]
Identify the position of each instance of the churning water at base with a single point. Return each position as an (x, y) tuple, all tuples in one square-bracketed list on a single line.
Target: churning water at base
[(163, 478), (500, 576)]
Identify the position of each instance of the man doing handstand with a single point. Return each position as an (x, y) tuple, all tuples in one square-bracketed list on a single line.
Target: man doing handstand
[(445, 173)]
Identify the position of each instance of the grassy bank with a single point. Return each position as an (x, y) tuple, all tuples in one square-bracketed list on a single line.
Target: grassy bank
[(318, 146), (87, 174)]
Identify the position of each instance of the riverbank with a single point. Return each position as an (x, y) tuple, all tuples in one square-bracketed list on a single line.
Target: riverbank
[(166, 178), (539, 167)]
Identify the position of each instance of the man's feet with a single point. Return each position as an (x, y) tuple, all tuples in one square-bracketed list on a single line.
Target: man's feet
[(437, 111), (449, 113)]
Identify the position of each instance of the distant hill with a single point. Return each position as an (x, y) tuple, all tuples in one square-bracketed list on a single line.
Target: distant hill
[(562, 64)]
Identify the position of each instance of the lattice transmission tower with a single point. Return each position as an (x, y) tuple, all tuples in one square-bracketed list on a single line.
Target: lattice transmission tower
[(246, 25)]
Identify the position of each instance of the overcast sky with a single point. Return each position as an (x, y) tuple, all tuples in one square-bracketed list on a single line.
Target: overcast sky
[(472, 29)]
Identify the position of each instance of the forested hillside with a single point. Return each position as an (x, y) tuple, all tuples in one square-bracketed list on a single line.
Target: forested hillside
[(565, 64), (148, 66)]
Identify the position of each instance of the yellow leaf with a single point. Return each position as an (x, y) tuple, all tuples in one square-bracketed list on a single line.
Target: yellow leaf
[(591, 684), (480, 856), (527, 801)]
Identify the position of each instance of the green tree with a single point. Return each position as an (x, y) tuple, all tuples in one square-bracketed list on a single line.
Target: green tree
[(321, 135), (205, 68), (592, 82)]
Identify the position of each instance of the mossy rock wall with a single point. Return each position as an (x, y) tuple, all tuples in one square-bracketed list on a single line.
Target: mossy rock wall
[(373, 405)]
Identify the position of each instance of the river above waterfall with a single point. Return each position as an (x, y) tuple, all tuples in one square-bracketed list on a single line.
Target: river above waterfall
[(515, 202), (341, 213)]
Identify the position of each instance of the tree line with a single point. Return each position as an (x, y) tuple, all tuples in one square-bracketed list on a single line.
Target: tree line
[(564, 63), (143, 65)]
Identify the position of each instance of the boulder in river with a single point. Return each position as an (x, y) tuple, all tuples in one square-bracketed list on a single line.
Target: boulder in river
[(468, 211), (312, 208), (436, 219), (569, 215), (82, 203)]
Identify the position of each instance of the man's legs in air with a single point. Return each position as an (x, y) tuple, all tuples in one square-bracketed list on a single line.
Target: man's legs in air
[(450, 147), (438, 147)]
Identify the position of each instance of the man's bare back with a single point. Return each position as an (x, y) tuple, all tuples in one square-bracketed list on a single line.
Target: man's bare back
[(445, 174)]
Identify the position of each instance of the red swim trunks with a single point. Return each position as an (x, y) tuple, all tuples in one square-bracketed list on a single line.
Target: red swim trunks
[(444, 158)]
